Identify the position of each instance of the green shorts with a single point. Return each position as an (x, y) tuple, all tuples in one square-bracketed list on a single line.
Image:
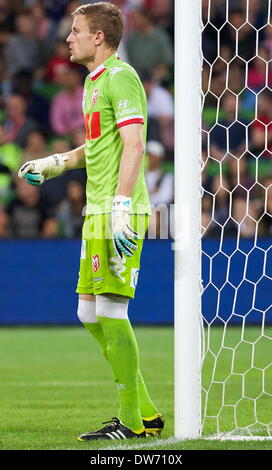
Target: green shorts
[(101, 271)]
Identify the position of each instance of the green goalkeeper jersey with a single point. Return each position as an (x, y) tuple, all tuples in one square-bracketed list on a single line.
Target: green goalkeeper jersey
[(113, 97)]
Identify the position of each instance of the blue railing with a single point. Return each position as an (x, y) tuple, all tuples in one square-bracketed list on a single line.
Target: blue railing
[(38, 280)]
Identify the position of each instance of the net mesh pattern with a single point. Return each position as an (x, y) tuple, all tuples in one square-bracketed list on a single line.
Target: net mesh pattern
[(236, 217)]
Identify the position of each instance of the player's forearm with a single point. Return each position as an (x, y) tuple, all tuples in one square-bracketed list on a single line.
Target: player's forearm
[(129, 168), (76, 158)]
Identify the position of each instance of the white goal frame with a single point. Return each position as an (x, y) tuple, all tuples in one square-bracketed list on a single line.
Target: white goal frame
[(187, 239)]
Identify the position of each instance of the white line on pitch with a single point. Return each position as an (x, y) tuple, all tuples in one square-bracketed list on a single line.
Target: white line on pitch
[(148, 443)]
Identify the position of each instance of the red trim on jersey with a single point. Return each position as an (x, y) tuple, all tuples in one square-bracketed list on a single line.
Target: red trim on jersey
[(98, 74), (95, 125), (130, 121), (86, 122)]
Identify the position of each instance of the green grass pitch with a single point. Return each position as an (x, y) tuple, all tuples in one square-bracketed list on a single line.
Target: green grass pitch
[(55, 384)]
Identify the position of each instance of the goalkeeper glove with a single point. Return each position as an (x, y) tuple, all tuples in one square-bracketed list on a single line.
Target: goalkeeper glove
[(122, 234), (37, 171)]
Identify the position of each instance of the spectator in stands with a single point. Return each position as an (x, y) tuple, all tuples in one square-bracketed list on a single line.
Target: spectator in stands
[(245, 218), (220, 188), (45, 27), (37, 106), (54, 190), (259, 72), (66, 108), (206, 214), (78, 137), (163, 14), (256, 15), (32, 73), (265, 224), (35, 145), (160, 106), (217, 85), (5, 85), (268, 39), (246, 34), (10, 152), (69, 212), (231, 130), (127, 7), (24, 50), (17, 124), (261, 127), (59, 62), (55, 9), (27, 217), (239, 175), (10, 161), (213, 17), (7, 26), (149, 47), (60, 145), (65, 23), (160, 184)]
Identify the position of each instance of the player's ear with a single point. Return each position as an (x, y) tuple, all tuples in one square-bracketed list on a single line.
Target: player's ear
[(99, 37)]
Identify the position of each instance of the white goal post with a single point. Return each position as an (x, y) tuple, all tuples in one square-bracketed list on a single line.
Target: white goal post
[(187, 318)]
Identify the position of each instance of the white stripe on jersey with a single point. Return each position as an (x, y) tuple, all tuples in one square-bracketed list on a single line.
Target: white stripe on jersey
[(97, 70), (128, 118)]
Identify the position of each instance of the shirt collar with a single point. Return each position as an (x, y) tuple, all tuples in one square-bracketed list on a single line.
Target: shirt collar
[(102, 67)]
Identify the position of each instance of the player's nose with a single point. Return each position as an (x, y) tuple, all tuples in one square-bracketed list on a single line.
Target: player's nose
[(68, 39)]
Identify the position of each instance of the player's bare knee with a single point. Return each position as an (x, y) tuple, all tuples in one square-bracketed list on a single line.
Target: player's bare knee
[(86, 311), (112, 306)]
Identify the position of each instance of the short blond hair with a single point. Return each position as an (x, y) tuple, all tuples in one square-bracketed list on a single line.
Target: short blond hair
[(106, 17)]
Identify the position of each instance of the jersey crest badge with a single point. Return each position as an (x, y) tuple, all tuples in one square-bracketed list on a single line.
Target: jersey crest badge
[(95, 96), (95, 262)]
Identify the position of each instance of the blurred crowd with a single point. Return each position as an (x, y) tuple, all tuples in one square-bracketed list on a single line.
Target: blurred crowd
[(40, 113), (41, 108), (237, 118)]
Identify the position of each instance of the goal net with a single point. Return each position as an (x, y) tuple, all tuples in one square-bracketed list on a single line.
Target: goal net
[(236, 218)]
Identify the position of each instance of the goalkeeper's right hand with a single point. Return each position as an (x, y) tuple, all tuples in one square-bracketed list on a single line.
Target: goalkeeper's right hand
[(37, 171)]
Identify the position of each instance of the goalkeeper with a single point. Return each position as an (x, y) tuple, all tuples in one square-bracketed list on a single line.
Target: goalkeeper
[(114, 108)]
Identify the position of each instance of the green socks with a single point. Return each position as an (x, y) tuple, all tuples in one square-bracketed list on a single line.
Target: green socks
[(147, 407), (119, 346), (123, 356)]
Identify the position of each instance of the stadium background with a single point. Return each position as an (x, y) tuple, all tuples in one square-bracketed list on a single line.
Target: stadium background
[(40, 113)]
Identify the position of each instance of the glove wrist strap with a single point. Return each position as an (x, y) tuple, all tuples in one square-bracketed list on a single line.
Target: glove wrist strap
[(121, 203)]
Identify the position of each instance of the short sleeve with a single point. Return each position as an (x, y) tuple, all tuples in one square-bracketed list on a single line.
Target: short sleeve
[(126, 97)]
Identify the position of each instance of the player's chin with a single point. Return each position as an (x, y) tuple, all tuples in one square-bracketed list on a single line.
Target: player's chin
[(75, 60)]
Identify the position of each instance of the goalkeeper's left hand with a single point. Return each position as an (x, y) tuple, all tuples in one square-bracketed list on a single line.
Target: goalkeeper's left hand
[(122, 234)]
